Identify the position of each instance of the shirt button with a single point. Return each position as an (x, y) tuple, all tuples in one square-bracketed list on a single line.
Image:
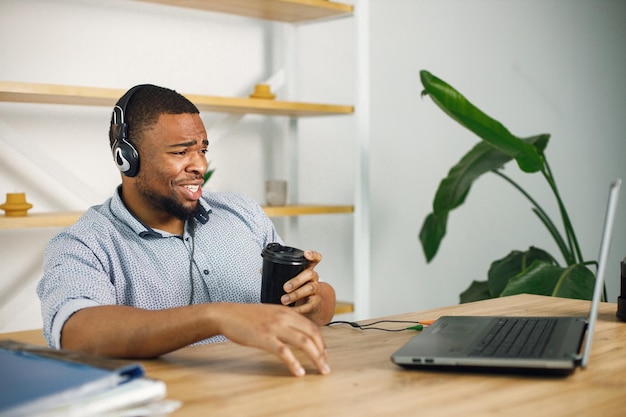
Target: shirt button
[(206, 272)]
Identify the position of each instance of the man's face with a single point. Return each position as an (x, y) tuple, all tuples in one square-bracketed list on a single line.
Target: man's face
[(172, 164)]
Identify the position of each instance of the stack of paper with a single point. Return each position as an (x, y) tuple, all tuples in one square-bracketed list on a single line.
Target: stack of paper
[(41, 381)]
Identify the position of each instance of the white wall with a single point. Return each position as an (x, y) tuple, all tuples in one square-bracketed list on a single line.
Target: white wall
[(554, 66), (538, 66)]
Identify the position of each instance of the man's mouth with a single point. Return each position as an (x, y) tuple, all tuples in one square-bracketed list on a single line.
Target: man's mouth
[(192, 191)]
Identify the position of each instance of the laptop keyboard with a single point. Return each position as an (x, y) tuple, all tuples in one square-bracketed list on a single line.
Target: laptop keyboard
[(516, 338)]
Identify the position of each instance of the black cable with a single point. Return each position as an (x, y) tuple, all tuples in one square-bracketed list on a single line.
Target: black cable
[(416, 325), (192, 232)]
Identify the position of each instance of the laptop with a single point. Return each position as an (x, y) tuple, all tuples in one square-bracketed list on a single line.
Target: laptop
[(458, 343)]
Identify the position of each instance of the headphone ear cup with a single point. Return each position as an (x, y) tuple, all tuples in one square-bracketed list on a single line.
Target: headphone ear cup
[(126, 158)]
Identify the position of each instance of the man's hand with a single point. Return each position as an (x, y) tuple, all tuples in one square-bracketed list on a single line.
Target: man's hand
[(312, 298), (275, 329)]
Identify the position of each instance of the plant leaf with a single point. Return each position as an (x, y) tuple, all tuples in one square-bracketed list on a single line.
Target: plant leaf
[(577, 283), (207, 176), (542, 278), (432, 233), (478, 290), (453, 189), (490, 130), (502, 270)]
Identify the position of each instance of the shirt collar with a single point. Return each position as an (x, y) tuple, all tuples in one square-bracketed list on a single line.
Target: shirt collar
[(202, 215)]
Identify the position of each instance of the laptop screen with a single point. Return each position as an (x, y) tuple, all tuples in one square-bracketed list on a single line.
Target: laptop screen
[(602, 261)]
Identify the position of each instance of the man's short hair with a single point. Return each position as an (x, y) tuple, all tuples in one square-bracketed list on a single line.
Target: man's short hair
[(146, 105)]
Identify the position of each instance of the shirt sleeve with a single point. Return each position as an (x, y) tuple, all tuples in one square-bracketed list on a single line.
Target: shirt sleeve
[(73, 278)]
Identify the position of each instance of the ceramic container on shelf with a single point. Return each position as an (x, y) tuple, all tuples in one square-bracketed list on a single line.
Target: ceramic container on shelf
[(16, 205), (263, 91)]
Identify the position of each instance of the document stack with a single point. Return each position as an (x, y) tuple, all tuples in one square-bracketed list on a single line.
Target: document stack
[(38, 381)]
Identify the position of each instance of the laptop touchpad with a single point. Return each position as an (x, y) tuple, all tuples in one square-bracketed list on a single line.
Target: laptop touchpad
[(458, 326)]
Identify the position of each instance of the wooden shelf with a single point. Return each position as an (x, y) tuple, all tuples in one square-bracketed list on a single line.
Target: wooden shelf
[(93, 96), (301, 210), (343, 307), (290, 11), (64, 219), (40, 220)]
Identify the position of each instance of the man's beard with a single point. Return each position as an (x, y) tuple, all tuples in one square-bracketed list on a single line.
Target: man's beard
[(175, 209), (170, 205)]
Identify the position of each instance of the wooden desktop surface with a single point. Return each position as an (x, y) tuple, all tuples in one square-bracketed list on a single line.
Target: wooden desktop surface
[(229, 380)]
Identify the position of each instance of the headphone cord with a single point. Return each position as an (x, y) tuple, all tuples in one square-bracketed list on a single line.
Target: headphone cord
[(416, 325), (192, 233)]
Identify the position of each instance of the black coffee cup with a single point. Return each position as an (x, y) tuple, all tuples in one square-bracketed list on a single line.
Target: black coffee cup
[(280, 264)]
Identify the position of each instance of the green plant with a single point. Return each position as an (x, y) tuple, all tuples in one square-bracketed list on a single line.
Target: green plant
[(532, 271), (208, 174)]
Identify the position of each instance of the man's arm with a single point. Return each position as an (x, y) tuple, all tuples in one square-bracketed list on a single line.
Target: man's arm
[(129, 332)]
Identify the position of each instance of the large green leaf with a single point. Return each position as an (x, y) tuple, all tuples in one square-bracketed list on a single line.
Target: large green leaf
[(578, 282), (453, 189), (502, 270), (542, 278), (478, 290), (532, 272), (490, 130)]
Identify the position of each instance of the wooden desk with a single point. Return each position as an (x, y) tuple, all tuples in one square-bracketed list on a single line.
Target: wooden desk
[(230, 380)]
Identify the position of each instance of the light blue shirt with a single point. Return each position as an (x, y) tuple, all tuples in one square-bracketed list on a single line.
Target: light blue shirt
[(108, 257)]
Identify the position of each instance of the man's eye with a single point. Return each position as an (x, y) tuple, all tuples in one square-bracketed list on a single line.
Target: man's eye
[(204, 151)]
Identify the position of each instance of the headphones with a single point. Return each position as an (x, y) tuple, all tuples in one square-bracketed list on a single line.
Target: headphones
[(124, 153)]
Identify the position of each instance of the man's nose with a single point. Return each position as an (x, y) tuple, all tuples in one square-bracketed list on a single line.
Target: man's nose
[(198, 163)]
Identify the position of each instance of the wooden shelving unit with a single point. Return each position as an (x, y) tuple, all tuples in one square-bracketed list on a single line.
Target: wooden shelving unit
[(290, 11), (93, 96)]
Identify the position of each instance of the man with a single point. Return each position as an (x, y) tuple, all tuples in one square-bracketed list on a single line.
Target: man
[(160, 265)]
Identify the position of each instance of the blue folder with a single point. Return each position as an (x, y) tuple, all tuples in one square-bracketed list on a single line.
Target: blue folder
[(34, 378)]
